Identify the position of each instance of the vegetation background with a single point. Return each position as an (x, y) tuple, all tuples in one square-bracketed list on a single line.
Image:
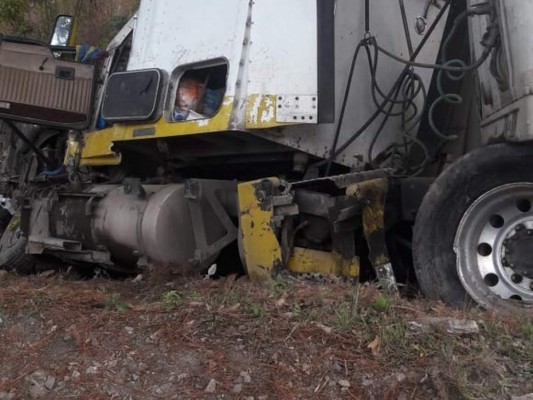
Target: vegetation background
[(98, 20)]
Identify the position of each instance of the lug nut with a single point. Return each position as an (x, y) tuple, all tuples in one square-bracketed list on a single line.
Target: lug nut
[(516, 278)]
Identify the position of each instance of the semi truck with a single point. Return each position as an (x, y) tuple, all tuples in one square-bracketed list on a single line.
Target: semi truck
[(350, 138)]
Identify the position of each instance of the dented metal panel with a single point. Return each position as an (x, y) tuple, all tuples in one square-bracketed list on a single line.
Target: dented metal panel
[(260, 249), (372, 195)]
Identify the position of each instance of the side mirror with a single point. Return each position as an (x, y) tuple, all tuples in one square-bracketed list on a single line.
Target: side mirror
[(62, 30)]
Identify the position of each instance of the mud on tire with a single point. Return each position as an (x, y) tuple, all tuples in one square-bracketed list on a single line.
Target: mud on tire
[(443, 208), (13, 255)]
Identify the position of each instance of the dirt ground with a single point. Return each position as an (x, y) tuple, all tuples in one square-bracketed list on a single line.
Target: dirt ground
[(168, 337)]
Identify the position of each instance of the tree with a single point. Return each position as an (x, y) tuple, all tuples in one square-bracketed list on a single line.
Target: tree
[(97, 20), (12, 16)]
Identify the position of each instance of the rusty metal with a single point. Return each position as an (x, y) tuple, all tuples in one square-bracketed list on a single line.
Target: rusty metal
[(372, 196), (184, 226)]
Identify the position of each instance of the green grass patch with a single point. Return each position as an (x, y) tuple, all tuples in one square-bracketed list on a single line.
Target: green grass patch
[(116, 303)]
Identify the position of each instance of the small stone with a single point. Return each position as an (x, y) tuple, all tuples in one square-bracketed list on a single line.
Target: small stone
[(246, 377), (137, 279), (415, 327), (344, 383), (237, 388), (50, 382), (400, 377), (211, 386), (183, 376), (75, 374), (47, 274), (402, 396), (326, 329), (367, 382), (37, 381), (91, 370), (142, 367), (129, 330), (37, 378), (37, 392)]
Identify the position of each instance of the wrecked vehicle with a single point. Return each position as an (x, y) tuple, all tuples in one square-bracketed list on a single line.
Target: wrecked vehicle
[(308, 136)]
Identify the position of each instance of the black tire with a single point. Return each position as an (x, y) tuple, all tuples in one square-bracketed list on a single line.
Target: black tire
[(13, 255), (5, 218), (444, 205)]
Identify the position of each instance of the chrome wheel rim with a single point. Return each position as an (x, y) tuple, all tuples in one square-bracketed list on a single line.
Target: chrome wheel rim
[(493, 243)]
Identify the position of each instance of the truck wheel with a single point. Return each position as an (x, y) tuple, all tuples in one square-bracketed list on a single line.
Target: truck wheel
[(13, 255), (474, 231)]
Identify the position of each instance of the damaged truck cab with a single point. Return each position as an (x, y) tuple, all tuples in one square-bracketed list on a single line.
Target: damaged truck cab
[(302, 135)]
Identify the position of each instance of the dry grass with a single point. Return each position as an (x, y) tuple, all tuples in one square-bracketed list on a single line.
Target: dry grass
[(296, 340)]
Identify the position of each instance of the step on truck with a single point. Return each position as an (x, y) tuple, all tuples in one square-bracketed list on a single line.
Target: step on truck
[(359, 139)]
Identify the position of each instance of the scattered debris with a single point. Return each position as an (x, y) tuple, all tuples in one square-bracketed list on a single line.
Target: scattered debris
[(211, 272), (400, 377), (181, 337), (344, 383), (50, 382), (40, 383), (246, 377), (211, 386), (444, 325), (326, 329), (374, 345), (462, 327), (93, 369), (47, 273)]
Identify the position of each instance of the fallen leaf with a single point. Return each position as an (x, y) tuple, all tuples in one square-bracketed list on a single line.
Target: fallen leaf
[(374, 345)]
